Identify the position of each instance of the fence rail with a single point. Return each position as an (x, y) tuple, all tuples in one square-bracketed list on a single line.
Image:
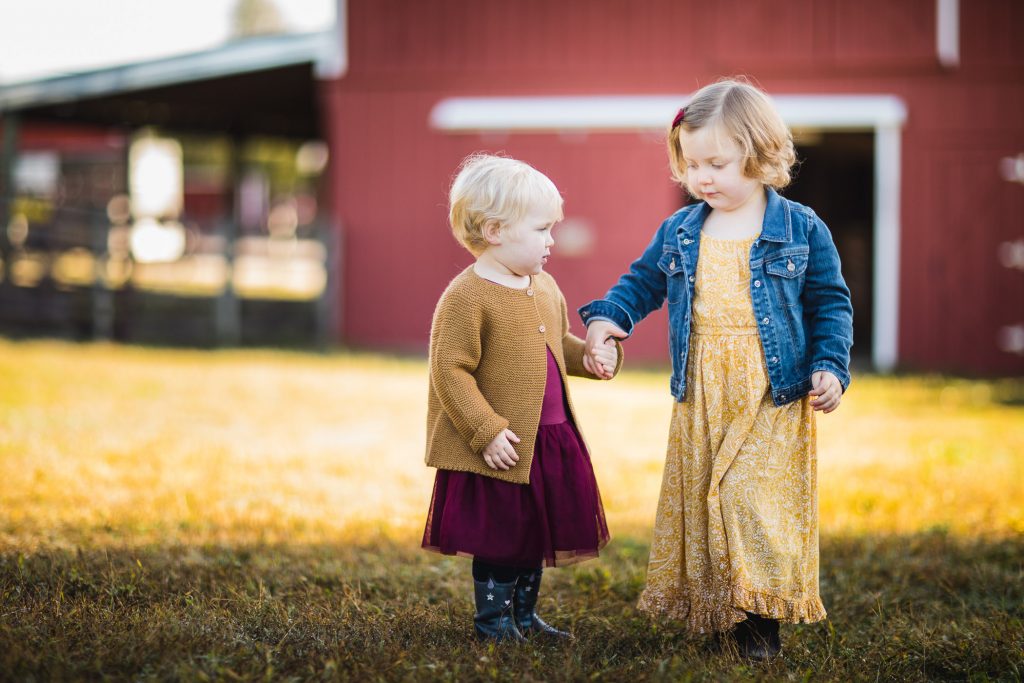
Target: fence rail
[(74, 274)]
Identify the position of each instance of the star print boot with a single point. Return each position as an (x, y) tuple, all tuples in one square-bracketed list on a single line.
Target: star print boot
[(527, 588), (493, 619)]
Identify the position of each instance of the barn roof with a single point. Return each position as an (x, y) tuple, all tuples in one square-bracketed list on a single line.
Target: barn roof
[(263, 85)]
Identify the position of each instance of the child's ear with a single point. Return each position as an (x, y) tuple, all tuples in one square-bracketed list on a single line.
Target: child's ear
[(492, 232)]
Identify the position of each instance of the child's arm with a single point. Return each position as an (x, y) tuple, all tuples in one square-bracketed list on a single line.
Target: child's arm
[(455, 349), (639, 292), (827, 308), (577, 362)]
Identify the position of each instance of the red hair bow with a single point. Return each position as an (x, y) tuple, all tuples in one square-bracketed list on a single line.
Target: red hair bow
[(679, 117)]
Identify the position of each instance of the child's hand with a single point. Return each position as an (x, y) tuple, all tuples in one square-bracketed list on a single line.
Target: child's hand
[(828, 389), (599, 334), (604, 360), (499, 453)]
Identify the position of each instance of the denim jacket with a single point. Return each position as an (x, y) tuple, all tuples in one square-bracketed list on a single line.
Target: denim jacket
[(801, 303)]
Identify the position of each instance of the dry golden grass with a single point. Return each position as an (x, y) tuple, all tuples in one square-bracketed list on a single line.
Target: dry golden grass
[(243, 515), (102, 444)]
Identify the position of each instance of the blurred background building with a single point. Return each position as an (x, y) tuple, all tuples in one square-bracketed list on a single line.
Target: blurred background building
[(291, 188)]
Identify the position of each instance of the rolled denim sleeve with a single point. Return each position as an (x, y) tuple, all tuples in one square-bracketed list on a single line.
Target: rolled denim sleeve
[(639, 292), (602, 309), (827, 307)]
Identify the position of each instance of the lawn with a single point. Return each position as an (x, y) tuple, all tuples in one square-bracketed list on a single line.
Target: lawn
[(243, 515)]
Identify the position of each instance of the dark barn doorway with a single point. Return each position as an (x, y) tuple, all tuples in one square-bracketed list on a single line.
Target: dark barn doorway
[(835, 176)]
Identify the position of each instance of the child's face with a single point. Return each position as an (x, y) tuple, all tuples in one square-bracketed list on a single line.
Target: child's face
[(714, 169), (525, 245)]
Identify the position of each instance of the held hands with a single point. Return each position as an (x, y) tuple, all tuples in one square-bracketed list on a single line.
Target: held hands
[(603, 360), (601, 355), (828, 390), (499, 453)]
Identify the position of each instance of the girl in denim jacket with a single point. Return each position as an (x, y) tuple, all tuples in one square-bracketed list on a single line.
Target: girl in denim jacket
[(760, 332)]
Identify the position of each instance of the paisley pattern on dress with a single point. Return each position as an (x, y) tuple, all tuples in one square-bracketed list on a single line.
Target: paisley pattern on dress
[(737, 522)]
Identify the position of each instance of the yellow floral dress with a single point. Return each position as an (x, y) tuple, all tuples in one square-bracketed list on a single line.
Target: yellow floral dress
[(737, 521)]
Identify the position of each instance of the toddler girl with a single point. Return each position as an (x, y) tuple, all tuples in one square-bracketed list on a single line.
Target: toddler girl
[(515, 489)]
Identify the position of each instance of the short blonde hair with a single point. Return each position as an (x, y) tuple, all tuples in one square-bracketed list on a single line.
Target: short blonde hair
[(490, 188), (748, 117)]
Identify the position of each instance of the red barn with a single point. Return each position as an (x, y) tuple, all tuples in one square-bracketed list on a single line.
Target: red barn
[(908, 116)]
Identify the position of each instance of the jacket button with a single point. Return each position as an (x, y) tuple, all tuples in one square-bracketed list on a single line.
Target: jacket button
[(782, 396), (691, 278), (687, 241), (540, 329), (757, 283), (775, 359), (529, 292), (585, 314), (766, 321)]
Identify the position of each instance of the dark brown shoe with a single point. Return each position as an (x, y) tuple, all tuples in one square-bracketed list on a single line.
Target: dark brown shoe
[(758, 638)]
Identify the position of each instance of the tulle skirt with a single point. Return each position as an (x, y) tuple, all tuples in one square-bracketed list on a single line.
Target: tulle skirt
[(555, 520)]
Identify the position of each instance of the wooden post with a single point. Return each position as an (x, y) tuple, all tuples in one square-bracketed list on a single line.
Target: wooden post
[(227, 311), (8, 156), (102, 297), (328, 305)]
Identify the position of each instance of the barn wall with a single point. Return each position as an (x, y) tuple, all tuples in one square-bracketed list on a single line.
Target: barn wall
[(391, 171)]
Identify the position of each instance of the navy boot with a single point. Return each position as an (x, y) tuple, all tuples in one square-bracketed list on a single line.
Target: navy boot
[(493, 619), (527, 588)]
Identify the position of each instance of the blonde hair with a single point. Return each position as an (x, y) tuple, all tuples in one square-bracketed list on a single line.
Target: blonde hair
[(748, 117), (490, 188)]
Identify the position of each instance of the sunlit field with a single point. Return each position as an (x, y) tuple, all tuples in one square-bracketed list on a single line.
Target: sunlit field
[(171, 514)]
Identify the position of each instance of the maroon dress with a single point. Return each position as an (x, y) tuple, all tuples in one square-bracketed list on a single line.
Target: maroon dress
[(556, 519)]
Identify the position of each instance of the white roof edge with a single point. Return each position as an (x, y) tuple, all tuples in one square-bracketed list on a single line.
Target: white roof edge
[(334, 62), (648, 112), (253, 54)]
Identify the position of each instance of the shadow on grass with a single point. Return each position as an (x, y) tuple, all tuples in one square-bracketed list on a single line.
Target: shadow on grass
[(924, 607)]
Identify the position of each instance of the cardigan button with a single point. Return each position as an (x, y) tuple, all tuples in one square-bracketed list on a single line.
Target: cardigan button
[(529, 292), (541, 329)]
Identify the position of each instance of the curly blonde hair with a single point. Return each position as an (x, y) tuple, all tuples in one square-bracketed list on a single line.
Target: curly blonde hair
[(748, 117), (490, 188)]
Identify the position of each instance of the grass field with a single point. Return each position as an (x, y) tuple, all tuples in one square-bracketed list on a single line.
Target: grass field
[(255, 515)]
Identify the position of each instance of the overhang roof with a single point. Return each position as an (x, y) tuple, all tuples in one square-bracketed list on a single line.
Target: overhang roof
[(256, 86)]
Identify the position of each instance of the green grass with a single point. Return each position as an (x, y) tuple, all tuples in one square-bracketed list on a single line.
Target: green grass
[(255, 515)]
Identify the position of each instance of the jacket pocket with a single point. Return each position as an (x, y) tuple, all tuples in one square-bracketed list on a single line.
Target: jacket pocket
[(786, 273), (671, 264)]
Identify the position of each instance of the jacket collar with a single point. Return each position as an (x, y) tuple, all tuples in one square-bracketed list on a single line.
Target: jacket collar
[(777, 226)]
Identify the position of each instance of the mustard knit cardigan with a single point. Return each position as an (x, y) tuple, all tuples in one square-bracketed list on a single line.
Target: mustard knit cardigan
[(488, 368)]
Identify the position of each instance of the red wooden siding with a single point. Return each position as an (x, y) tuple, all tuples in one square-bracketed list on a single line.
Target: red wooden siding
[(391, 171)]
